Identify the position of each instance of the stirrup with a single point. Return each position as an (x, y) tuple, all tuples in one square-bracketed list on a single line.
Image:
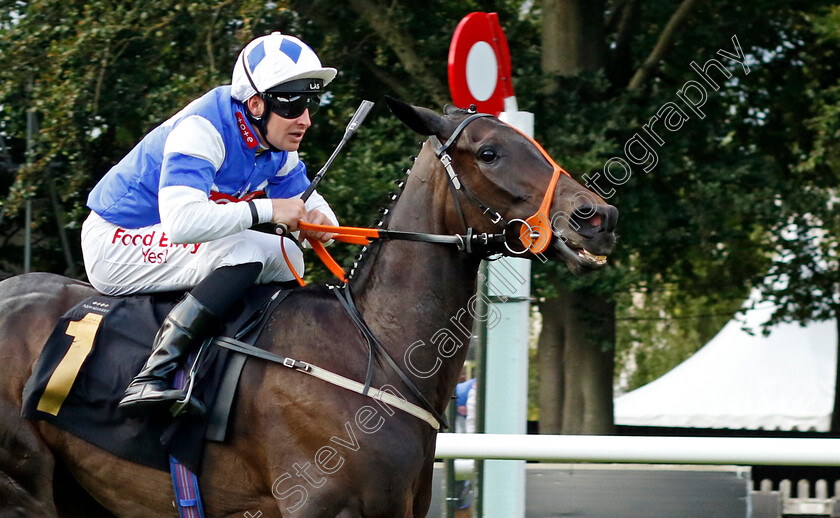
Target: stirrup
[(186, 404)]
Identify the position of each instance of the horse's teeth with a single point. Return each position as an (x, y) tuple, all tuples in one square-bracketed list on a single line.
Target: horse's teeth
[(589, 256)]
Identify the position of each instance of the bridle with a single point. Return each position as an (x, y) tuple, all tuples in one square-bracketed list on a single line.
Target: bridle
[(535, 234), (539, 231)]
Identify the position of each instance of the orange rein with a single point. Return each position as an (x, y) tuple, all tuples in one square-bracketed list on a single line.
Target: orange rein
[(352, 235)]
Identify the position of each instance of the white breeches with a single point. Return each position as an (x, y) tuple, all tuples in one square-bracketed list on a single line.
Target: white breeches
[(121, 261)]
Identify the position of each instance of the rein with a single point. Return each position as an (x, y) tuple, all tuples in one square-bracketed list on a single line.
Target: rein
[(469, 242), (535, 240)]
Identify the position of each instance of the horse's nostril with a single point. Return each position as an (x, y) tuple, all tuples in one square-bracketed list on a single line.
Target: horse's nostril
[(611, 218), (595, 220)]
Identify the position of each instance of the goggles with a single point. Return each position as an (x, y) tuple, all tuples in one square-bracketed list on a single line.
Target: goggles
[(292, 106)]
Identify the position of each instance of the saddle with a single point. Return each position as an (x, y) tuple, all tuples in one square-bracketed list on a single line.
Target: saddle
[(99, 345)]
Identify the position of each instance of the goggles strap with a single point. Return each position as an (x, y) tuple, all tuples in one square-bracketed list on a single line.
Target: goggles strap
[(261, 123)]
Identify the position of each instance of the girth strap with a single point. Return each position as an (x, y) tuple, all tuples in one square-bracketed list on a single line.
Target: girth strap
[(330, 377)]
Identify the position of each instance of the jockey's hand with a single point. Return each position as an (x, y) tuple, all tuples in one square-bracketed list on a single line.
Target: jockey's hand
[(318, 218), (288, 212)]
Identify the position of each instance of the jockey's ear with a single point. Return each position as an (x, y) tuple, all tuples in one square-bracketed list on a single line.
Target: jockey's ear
[(421, 120), (256, 105)]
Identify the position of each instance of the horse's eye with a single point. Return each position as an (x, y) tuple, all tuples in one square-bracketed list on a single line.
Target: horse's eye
[(487, 155)]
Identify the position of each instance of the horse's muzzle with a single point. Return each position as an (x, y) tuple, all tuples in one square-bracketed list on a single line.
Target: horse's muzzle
[(590, 239)]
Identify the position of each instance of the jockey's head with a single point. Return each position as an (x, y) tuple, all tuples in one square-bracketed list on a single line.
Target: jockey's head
[(281, 75)]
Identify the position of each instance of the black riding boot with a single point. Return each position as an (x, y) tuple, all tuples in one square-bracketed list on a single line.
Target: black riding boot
[(184, 327)]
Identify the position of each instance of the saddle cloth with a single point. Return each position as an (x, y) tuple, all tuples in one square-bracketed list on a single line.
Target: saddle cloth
[(95, 351)]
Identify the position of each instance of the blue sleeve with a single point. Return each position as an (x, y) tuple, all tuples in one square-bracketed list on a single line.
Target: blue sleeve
[(462, 390), (289, 185), (189, 171)]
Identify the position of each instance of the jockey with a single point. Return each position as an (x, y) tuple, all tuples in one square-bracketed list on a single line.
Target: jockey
[(174, 213)]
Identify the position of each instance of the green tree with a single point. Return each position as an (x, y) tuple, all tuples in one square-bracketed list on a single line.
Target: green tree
[(696, 224), (804, 280), (99, 75)]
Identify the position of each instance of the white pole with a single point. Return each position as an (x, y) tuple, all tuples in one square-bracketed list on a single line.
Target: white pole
[(506, 390), (653, 450)]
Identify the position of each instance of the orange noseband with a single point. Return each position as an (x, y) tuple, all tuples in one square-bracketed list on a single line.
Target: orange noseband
[(539, 230)]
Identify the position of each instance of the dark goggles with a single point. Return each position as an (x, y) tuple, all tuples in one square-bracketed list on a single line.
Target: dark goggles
[(292, 106)]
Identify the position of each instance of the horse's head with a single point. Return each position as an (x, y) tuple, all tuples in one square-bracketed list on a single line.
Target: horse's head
[(507, 179)]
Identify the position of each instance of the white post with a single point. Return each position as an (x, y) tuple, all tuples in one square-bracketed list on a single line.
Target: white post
[(506, 391), (742, 451)]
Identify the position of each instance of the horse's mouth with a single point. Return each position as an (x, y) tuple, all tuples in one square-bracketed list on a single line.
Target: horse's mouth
[(578, 258), (586, 255)]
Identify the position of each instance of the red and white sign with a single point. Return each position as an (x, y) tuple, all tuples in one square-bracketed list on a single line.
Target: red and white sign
[(479, 64)]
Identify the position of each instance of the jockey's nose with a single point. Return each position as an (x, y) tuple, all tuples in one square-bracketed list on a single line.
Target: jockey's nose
[(305, 118)]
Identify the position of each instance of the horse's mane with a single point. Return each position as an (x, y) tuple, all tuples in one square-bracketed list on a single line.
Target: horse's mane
[(367, 251), (363, 258)]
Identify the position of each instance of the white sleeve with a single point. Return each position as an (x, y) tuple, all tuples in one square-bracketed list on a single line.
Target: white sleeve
[(316, 201), (188, 216), (195, 136)]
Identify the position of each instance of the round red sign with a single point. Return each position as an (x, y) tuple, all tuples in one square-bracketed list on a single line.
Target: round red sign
[(479, 64)]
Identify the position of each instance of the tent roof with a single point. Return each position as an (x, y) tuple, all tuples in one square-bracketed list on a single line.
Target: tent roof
[(740, 380)]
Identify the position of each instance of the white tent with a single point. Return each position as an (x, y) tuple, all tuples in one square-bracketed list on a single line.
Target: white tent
[(739, 380)]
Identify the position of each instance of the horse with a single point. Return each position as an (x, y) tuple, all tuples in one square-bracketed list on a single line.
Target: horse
[(299, 446)]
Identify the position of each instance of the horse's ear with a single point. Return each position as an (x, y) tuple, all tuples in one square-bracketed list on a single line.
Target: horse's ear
[(421, 120), (450, 109)]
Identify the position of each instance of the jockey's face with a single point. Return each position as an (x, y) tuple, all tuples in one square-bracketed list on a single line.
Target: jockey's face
[(284, 134)]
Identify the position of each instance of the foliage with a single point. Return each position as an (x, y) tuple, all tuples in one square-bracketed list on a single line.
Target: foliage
[(696, 230), (805, 278), (100, 75)]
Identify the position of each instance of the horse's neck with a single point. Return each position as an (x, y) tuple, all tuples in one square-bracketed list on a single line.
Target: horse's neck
[(411, 292)]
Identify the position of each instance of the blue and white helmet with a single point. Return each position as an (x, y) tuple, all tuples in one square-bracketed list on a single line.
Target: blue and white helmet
[(272, 60)]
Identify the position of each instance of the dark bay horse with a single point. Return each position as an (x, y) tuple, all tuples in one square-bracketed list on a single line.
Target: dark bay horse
[(299, 446)]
